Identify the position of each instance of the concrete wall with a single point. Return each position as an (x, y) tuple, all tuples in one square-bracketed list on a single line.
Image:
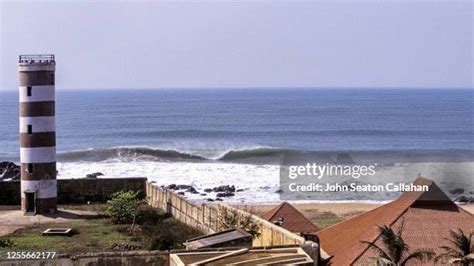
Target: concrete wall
[(96, 190), (10, 193), (77, 191), (205, 216)]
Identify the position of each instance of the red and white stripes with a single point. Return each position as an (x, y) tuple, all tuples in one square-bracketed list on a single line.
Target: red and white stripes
[(37, 134)]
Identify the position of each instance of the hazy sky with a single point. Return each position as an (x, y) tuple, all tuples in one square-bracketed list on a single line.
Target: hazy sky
[(181, 44)]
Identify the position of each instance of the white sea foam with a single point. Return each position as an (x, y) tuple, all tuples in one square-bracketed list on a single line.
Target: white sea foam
[(260, 182)]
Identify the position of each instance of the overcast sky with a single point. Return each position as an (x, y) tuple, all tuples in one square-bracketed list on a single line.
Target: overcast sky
[(217, 44)]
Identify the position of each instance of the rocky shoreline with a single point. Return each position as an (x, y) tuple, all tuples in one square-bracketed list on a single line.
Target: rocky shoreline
[(9, 171), (220, 191)]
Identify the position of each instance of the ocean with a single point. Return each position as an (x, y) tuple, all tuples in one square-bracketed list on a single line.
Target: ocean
[(206, 138)]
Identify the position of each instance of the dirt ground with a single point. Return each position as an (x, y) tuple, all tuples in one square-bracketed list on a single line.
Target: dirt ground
[(12, 220)]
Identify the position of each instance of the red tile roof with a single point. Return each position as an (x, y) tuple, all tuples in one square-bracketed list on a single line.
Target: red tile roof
[(293, 220), (425, 214)]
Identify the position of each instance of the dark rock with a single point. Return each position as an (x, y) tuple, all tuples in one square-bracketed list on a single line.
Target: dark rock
[(181, 193), (224, 188), (9, 170), (192, 190), (239, 190), (219, 199), (457, 191), (224, 194), (203, 194), (209, 199), (464, 199), (187, 188), (183, 186), (207, 190), (171, 187), (94, 175), (279, 191)]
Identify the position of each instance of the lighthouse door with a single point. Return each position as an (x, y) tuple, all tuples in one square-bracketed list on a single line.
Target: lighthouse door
[(30, 199)]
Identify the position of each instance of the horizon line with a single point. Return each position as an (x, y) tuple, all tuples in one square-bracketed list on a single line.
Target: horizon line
[(256, 88)]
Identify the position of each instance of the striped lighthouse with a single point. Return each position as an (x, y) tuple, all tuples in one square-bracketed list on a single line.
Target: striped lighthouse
[(37, 134)]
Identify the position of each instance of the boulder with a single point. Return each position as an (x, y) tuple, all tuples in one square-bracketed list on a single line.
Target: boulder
[(464, 199), (171, 187), (94, 175), (192, 190), (224, 194), (457, 191), (183, 186), (207, 190), (224, 188)]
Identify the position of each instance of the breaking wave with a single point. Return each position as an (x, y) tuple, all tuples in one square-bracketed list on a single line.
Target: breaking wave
[(263, 155)]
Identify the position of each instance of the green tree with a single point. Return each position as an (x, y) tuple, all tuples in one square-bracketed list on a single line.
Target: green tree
[(461, 249), (124, 207), (396, 252)]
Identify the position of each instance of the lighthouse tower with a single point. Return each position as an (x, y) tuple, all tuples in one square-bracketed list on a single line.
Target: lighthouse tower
[(37, 134)]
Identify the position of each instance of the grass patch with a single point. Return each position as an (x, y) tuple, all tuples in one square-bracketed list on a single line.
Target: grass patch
[(325, 219), (92, 236), (100, 235)]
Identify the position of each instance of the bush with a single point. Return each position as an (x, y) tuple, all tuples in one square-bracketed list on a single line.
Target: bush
[(231, 218), (169, 234), (5, 243), (124, 207)]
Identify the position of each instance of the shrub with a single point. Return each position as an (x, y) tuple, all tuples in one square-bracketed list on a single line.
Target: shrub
[(169, 234), (150, 215), (5, 243), (124, 207), (231, 218)]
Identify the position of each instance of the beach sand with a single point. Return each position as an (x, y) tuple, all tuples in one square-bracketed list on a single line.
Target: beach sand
[(327, 214)]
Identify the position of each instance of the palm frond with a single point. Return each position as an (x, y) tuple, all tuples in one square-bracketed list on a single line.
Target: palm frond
[(394, 242), (419, 254), (467, 260), (449, 252), (380, 251), (383, 262), (460, 249)]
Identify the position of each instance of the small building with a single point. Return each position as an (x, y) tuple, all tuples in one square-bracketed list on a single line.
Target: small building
[(286, 255), (288, 217), (427, 217), (229, 238)]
